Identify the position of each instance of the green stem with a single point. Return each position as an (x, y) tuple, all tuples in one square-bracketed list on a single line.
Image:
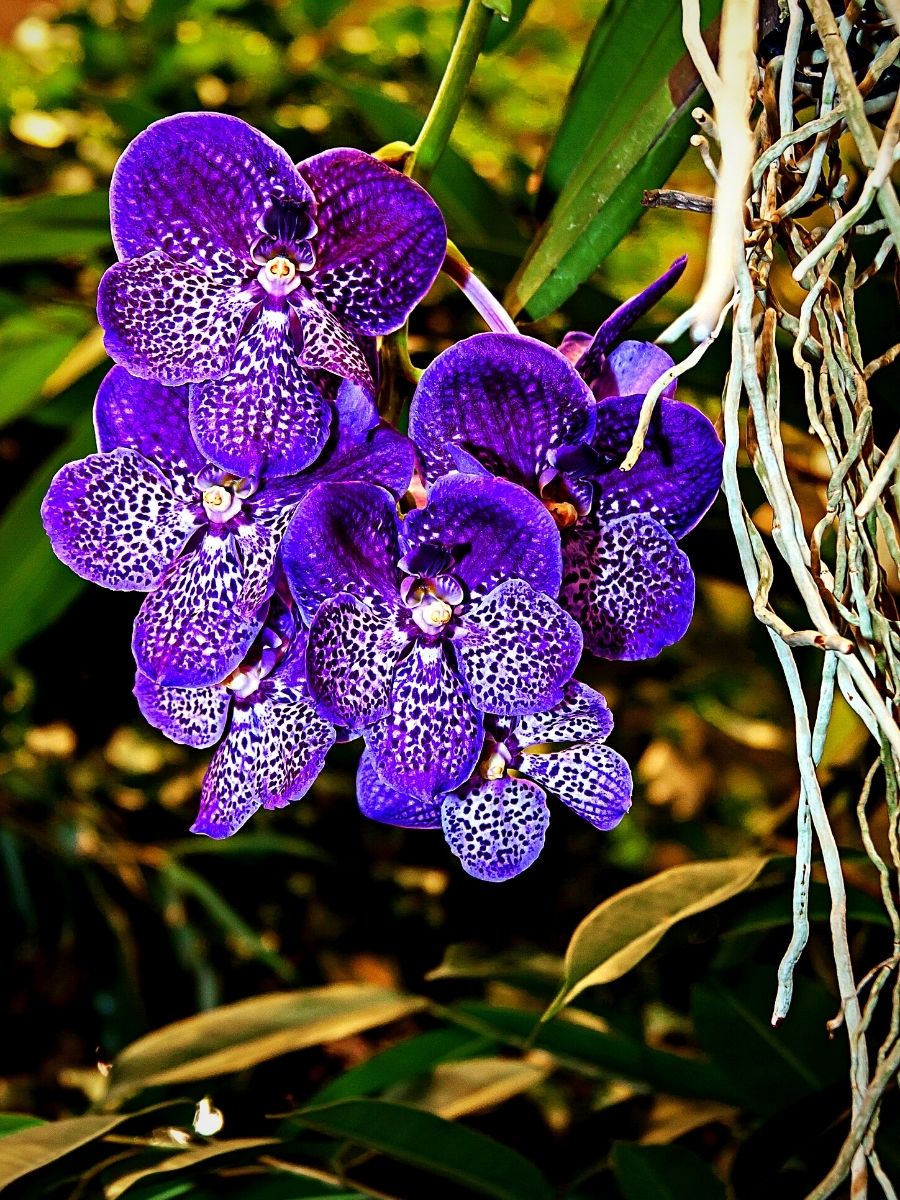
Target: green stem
[(439, 123)]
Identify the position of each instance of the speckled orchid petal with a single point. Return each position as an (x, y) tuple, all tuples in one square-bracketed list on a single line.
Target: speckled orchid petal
[(582, 715), (232, 787), (382, 803), (505, 399), (496, 828), (295, 743), (192, 716), (628, 586), (591, 779), (632, 368)]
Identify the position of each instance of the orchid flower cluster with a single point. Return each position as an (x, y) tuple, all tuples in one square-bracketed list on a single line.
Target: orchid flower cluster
[(313, 575)]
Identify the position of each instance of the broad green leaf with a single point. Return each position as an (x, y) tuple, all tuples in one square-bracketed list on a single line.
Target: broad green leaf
[(189, 1160), (237, 1036), (13, 1122), (485, 1166), (533, 970), (500, 31), (575, 1041), (33, 346), (774, 910), (37, 588), (409, 1058), (770, 1068), (455, 1089), (664, 1173), (253, 844), (625, 928), (627, 125), (44, 228)]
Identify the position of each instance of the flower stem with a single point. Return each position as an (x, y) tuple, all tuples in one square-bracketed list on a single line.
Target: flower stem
[(435, 133)]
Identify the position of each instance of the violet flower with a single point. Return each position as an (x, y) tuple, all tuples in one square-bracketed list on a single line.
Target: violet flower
[(272, 743), (420, 625), (495, 822), (510, 406), (150, 513), (249, 277)]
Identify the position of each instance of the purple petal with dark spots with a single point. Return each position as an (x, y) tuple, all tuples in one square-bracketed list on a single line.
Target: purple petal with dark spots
[(343, 537), (431, 738), (295, 743), (381, 239), (323, 343), (505, 399), (517, 649), (188, 632), (382, 803), (197, 184), (496, 828), (494, 529), (678, 473), (351, 653), (582, 715), (232, 787), (115, 520), (592, 780), (268, 415), (169, 321), (191, 716), (629, 587)]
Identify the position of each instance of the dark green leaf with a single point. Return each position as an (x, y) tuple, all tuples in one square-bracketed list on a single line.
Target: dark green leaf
[(501, 30), (189, 1160), (44, 228), (13, 1122), (663, 1173), (451, 1151), (32, 346)]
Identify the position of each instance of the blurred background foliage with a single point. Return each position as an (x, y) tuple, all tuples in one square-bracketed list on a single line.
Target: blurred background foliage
[(661, 1083)]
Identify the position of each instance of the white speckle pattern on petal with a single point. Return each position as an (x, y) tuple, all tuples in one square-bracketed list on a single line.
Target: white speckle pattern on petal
[(191, 716), (592, 780)]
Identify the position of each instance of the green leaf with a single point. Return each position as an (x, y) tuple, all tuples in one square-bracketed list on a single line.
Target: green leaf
[(13, 1122), (625, 928), (773, 911), (32, 346), (501, 30), (663, 1173), (456, 1089), (237, 1036), (627, 125), (532, 970), (44, 228), (37, 588), (503, 8), (262, 844), (485, 1166), (189, 1160)]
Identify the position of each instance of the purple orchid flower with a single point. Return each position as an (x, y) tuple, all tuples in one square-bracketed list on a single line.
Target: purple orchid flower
[(271, 742), (249, 277), (420, 625), (496, 821), (150, 513), (510, 406)]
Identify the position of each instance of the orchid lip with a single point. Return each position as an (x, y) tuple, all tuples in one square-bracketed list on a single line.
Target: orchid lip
[(223, 494), (280, 276)]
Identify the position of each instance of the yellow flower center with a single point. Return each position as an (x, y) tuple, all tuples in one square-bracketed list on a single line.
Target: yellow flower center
[(281, 269), (437, 612), (216, 497)]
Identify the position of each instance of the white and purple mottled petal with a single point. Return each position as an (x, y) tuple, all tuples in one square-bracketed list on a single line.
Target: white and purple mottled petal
[(171, 321), (189, 631), (343, 537), (232, 787), (381, 239), (139, 414), (323, 343), (496, 828), (432, 736), (505, 399), (517, 649), (351, 653), (115, 520), (592, 780), (295, 743), (258, 546), (582, 715), (495, 529), (629, 587), (197, 184), (268, 415), (678, 474), (382, 803), (192, 716)]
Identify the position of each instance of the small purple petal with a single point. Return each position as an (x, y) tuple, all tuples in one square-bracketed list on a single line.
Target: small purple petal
[(323, 344), (258, 546), (382, 803), (517, 649), (631, 369), (350, 658), (592, 780), (115, 520), (268, 415), (170, 322), (295, 744), (678, 473), (191, 716), (506, 399), (618, 323), (188, 632), (145, 416), (195, 184), (581, 716), (431, 740), (381, 239), (496, 828), (494, 529), (343, 537), (232, 789), (629, 587)]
